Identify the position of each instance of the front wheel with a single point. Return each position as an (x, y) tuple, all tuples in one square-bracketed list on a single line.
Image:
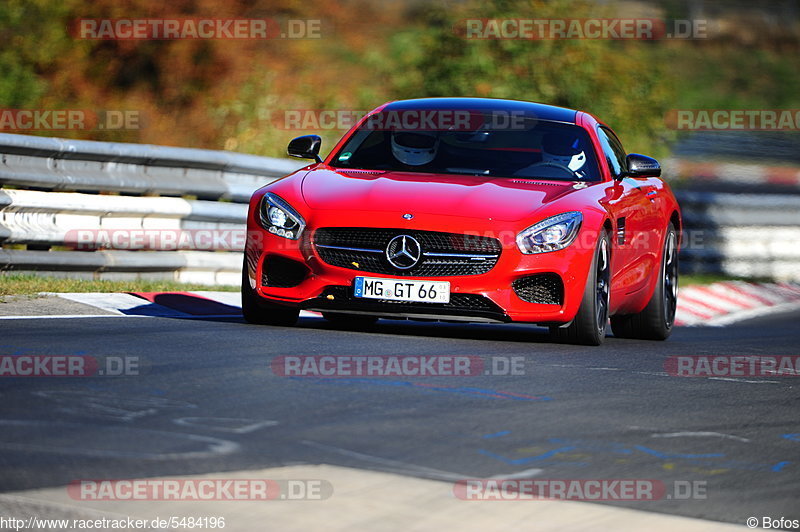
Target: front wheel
[(656, 320), (256, 310), (589, 325)]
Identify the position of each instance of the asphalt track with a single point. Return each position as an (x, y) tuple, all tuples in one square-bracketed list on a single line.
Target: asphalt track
[(206, 400)]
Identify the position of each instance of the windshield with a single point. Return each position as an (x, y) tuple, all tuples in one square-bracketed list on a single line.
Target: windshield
[(530, 149)]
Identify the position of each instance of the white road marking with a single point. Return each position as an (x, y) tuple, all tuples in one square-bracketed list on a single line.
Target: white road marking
[(701, 434), (395, 466), (213, 446), (653, 373), (527, 473), (108, 405), (240, 426), (745, 381)]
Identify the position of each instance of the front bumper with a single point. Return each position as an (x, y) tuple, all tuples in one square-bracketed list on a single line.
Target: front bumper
[(484, 297)]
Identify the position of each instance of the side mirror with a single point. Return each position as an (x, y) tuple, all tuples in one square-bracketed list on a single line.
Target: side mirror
[(305, 147), (642, 166)]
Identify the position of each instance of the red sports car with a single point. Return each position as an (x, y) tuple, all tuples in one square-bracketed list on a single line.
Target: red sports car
[(469, 209)]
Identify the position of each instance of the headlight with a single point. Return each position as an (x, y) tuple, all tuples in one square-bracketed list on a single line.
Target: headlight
[(279, 218), (551, 234)]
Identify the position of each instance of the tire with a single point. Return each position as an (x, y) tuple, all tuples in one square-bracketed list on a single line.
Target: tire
[(256, 310), (656, 320), (589, 325), (349, 321)]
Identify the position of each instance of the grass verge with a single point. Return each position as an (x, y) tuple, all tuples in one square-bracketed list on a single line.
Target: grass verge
[(710, 278), (30, 285)]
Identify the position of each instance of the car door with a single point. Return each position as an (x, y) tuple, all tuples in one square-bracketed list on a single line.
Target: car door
[(633, 218)]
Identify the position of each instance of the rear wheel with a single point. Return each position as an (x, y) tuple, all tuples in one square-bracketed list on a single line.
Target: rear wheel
[(656, 320), (589, 325), (256, 310)]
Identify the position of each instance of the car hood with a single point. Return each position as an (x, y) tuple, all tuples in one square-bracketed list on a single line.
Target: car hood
[(506, 199)]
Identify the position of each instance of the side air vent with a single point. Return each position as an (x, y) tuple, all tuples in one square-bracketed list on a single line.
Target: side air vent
[(621, 231), (545, 288)]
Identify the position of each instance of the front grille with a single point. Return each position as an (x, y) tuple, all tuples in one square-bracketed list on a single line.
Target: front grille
[(469, 305), (443, 254), (547, 288), (280, 272)]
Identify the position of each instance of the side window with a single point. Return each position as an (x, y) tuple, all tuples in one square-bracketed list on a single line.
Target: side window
[(613, 150)]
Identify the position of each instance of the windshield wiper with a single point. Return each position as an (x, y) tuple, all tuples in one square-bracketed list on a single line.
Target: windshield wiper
[(468, 171), (549, 178)]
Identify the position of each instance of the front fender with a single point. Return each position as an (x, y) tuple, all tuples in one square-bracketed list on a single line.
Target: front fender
[(580, 255)]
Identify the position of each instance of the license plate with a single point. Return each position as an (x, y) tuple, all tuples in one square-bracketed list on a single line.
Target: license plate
[(402, 289)]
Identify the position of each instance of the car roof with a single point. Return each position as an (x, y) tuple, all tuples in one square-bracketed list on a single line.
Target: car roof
[(539, 110)]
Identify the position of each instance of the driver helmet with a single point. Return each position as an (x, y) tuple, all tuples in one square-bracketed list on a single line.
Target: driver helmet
[(415, 148), (565, 150)]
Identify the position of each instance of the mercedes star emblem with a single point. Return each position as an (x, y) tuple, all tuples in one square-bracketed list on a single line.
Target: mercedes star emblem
[(403, 252)]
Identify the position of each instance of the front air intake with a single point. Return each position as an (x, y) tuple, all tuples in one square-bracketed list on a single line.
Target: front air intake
[(280, 272), (544, 288)]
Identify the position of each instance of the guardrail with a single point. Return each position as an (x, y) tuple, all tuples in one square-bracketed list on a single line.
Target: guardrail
[(735, 175), (130, 210), (139, 169), (744, 235), (140, 211)]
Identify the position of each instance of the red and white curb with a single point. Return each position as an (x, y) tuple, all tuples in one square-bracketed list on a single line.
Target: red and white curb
[(728, 302), (199, 304), (713, 305)]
